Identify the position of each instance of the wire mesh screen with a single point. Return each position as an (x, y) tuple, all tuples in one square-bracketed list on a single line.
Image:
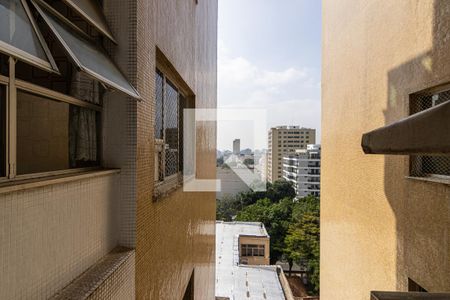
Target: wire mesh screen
[(426, 165), (181, 106), (171, 126), (3, 127), (159, 82), (159, 161)]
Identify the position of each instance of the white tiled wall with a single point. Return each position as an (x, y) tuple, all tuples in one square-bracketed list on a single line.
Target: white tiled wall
[(50, 235), (120, 116)]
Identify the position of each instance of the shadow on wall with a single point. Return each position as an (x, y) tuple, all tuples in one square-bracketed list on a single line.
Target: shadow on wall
[(421, 209)]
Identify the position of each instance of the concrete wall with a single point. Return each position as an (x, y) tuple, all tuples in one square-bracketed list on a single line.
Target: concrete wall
[(120, 285), (377, 227), (50, 235)]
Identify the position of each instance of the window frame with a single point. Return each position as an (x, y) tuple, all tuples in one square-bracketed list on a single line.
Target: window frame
[(418, 159), (53, 19), (253, 249), (161, 143), (12, 86), (171, 183), (26, 57), (4, 81), (90, 16)]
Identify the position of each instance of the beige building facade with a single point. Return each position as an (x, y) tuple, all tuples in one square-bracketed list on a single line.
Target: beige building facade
[(383, 226), (254, 250), (284, 140), (90, 206)]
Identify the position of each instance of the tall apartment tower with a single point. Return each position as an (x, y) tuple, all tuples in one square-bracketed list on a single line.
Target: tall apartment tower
[(91, 198), (302, 168), (236, 146), (284, 140)]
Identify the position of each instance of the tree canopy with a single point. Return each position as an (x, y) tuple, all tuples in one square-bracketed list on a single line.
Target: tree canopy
[(274, 192), (293, 225), (302, 242)]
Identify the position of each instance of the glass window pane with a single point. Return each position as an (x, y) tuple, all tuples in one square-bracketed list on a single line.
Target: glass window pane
[(171, 128), (261, 250), (243, 250), (92, 12), (2, 130), (4, 65), (17, 35), (86, 54), (53, 135), (159, 82)]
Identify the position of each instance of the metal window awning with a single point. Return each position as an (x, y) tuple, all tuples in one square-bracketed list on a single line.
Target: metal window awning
[(427, 132), (92, 12), (20, 37), (82, 50)]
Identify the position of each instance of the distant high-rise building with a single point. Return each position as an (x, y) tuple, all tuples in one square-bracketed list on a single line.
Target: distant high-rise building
[(302, 168), (284, 140), (237, 146)]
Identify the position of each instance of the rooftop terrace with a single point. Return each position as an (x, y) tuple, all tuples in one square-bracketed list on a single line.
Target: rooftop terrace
[(235, 281)]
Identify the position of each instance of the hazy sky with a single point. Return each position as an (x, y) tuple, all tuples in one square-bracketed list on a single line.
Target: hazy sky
[(269, 58)]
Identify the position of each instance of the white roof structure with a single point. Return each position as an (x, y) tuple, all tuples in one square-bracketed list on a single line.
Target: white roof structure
[(242, 282)]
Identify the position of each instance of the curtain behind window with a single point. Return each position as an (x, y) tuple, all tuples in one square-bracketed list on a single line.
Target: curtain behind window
[(83, 123)]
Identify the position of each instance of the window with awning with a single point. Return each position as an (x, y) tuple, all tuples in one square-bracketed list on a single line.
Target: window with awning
[(424, 135), (92, 12), (20, 37), (425, 132), (53, 76), (83, 52)]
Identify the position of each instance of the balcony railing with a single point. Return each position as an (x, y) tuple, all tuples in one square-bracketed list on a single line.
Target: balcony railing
[(408, 296)]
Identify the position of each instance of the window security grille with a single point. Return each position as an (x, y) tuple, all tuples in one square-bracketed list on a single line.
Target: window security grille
[(426, 165), (169, 106), (171, 129), (159, 131)]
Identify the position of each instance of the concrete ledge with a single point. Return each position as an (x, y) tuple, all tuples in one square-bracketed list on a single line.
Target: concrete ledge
[(426, 132), (408, 296), (95, 281), (285, 284), (432, 179), (24, 184)]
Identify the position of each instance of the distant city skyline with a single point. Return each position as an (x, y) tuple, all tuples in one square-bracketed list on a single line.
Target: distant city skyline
[(271, 63), (249, 144)]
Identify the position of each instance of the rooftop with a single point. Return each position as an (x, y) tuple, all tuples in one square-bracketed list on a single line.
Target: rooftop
[(291, 127), (241, 281)]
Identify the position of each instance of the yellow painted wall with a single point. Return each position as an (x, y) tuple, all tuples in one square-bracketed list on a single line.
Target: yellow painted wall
[(176, 234), (377, 227)]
